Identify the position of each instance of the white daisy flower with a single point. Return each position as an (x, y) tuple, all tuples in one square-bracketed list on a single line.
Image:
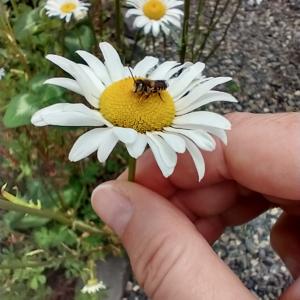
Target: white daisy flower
[(165, 120), (93, 286), (152, 15), (65, 9), (2, 73)]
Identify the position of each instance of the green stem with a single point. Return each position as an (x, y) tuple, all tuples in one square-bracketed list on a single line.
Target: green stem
[(165, 46), (136, 39), (36, 264), (131, 167), (153, 45), (210, 29), (78, 35), (63, 35), (15, 7), (225, 32), (97, 49), (201, 6), (184, 38), (118, 23), (49, 214)]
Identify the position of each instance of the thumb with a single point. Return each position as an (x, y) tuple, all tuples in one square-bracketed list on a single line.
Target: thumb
[(169, 257)]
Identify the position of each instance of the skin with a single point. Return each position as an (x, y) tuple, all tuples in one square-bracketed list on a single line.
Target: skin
[(168, 224)]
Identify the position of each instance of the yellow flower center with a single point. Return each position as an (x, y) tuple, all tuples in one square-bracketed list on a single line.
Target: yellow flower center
[(68, 7), (154, 9), (124, 108)]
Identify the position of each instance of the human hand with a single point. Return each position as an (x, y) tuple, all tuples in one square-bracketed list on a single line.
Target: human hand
[(167, 224)]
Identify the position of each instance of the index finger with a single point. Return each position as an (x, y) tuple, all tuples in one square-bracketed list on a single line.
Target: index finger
[(262, 154)]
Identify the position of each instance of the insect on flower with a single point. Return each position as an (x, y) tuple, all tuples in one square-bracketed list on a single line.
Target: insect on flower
[(147, 87)]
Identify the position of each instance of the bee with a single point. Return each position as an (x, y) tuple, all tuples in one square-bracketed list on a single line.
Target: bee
[(147, 87)]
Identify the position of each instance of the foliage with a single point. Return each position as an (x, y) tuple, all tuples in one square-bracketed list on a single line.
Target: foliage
[(65, 235)]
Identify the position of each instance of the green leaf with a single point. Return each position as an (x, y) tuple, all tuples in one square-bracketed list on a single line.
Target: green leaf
[(30, 221), (41, 279), (34, 284), (37, 81), (82, 41), (20, 110), (26, 23), (45, 91)]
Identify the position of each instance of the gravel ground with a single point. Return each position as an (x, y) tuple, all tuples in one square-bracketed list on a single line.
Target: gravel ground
[(262, 55)]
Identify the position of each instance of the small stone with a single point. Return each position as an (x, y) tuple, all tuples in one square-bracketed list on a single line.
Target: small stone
[(273, 221), (266, 109), (266, 277), (238, 242), (262, 253), (297, 93), (250, 245), (283, 269), (271, 296), (129, 286), (264, 244), (232, 243), (254, 262), (255, 239), (224, 238), (274, 211), (274, 269), (136, 288)]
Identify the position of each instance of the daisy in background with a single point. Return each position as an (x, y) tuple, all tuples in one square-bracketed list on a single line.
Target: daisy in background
[(153, 14), (93, 286), (67, 8), (2, 73), (165, 120)]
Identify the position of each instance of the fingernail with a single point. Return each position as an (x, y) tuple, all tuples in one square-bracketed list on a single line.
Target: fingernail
[(293, 265), (112, 206)]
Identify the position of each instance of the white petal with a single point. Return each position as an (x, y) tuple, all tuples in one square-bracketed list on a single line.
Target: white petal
[(160, 72), (191, 101), (203, 118), (174, 4), (176, 142), (202, 89), (143, 67), (137, 148), (133, 12), (173, 20), (220, 133), (176, 69), (112, 62), (96, 85), (147, 28), (201, 138), (167, 171), (166, 152), (155, 27), (175, 11), (108, 142), (62, 62), (67, 83), (165, 29), (87, 144), (125, 135), (190, 87), (140, 21), (66, 114), (90, 92), (197, 157), (97, 66), (185, 78)]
